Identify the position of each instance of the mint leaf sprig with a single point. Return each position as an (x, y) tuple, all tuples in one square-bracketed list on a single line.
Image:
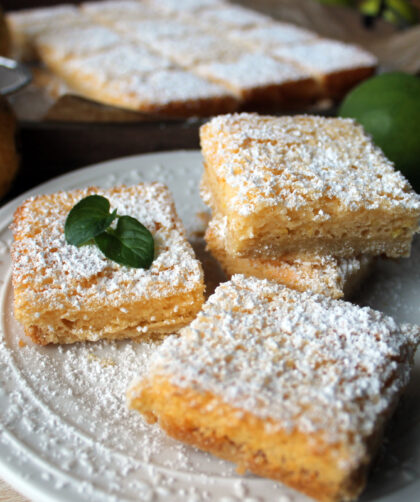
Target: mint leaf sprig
[(130, 243)]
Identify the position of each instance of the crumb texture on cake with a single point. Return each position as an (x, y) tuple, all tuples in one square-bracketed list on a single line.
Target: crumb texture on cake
[(269, 160), (272, 378), (279, 181), (298, 358), (65, 293), (323, 274)]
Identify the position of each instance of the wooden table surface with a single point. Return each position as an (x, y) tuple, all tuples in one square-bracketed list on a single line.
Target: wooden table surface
[(7, 494)]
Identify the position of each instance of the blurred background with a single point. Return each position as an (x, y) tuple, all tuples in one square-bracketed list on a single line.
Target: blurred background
[(58, 132)]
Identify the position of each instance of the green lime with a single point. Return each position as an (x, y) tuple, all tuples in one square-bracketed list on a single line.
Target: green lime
[(388, 107)]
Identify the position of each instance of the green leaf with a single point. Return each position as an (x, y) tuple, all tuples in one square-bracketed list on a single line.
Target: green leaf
[(87, 219), (400, 12), (130, 244), (370, 7)]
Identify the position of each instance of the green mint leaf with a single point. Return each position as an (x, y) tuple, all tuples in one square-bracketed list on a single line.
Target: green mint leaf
[(130, 244), (87, 219)]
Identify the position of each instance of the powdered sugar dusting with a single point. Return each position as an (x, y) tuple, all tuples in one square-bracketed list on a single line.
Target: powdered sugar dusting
[(51, 275), (305, 361), (193, 49), (187, 33), (326, 56), (166, 86), (69, 404), (119, 62), (64, 426), (153, 31), (271, 35), (179, 6), (291, 162), (31, 23), (78, 40), (26, 18), (113, 9), (252, 70), (228, 16)]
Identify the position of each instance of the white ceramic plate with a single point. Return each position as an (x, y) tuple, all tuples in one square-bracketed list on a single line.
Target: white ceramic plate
[(65, 431)]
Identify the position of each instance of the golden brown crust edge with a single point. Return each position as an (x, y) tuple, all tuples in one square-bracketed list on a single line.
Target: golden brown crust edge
[(137, 319), (303, 462), (298, 276), (154, 331), (100, 93), (337, 84)]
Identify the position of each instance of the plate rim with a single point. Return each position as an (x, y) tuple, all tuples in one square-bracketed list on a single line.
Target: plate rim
[(35, 489), (107, 164)]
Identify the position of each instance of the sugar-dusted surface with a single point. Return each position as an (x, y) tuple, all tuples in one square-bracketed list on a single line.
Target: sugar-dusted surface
[(188, 33), (119, 62), (151, 31), (64, 427), (304, 361), (77, 40), (47, 269), (272, 35), (31, 17), (166, 86), (30, 23), (182, 6), (101, 64), (227, 16), (117, 9), (251, 71), (193, 49), (326, 56), (292, 162)]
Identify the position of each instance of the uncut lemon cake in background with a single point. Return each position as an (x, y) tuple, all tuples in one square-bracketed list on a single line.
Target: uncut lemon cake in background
[(223, 57), (26, 25), (64, 293), (292, 386)]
